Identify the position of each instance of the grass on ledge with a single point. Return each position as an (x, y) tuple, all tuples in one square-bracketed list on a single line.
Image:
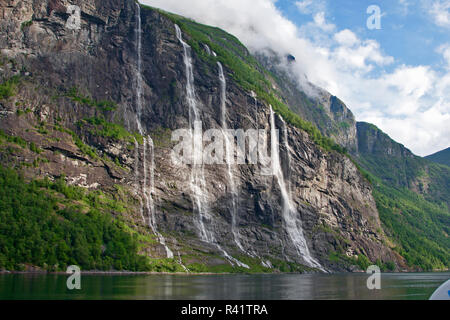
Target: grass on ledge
[(8, 88), (103, 105), (102, 128)]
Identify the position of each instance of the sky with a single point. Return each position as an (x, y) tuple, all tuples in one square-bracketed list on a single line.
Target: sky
[(395, 74)]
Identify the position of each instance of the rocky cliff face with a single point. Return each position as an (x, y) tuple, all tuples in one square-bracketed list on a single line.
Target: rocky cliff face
[(398, 166), (327, 112), (94, 98)]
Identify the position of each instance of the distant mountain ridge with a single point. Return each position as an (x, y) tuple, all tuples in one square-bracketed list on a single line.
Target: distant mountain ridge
[(442, 157)]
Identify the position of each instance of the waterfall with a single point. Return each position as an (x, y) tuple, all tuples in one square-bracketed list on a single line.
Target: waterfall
[(181, 263), (208, 50), (136, 176), (198, 182), (190, 90), (289, 213), (151, 192), (255, 99), (139, 80), (147, 191), (229, 157)]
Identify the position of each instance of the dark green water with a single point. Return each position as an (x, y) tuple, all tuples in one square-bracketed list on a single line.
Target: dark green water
[(223, 287)]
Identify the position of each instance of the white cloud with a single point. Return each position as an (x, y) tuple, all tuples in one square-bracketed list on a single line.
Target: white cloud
[(445, 51), (320, 21), (410, 103), (346, 38), (440, 11), (310, 6), (304, 6), (354, 53)]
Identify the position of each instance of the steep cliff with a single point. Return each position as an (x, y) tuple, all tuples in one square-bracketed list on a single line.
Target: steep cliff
[(327, 112), (403, 182), (92, 97), (412, 196)]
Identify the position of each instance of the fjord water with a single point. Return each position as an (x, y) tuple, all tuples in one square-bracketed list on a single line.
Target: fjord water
[(408, 286)]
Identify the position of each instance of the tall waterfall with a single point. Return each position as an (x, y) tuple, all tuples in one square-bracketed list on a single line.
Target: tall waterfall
[(139, 81), (147, 191), (289, 214), (229, 157), (151, 192), (198, 182)]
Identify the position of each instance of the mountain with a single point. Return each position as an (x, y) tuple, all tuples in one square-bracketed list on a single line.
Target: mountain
[(327, 112), (412, 196), (442, 157), (399, 167), (402, 181), (90, 103)]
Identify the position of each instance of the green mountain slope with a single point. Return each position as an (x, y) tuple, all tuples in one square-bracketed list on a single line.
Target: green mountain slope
[(442, 157), (412, 196), (398, 167)]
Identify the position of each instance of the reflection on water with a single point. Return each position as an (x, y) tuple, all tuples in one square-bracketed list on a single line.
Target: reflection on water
[(221, 287)]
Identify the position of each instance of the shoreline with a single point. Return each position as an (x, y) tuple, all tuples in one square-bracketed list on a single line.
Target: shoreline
[(112, 273), (134, 273)]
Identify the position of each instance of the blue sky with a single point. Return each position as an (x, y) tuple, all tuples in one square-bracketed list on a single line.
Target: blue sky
[(397, 78), (406, 27)]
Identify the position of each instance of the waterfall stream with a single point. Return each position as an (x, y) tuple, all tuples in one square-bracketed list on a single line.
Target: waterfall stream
[(289, 214), (147, 191), (198, 182), (139, 81), (229, 157)]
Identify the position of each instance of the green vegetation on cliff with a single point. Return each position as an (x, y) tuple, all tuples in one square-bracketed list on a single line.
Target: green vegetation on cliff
[(8, 88), (103, 105), (418, 227), (442, 157), (51, 225), (100, 127), (412, 196)]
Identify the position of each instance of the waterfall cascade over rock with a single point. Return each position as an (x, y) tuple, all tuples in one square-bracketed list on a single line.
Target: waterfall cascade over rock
[(291, 222), (198, 183), (147, 191), (204, 220), (229, 152)]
